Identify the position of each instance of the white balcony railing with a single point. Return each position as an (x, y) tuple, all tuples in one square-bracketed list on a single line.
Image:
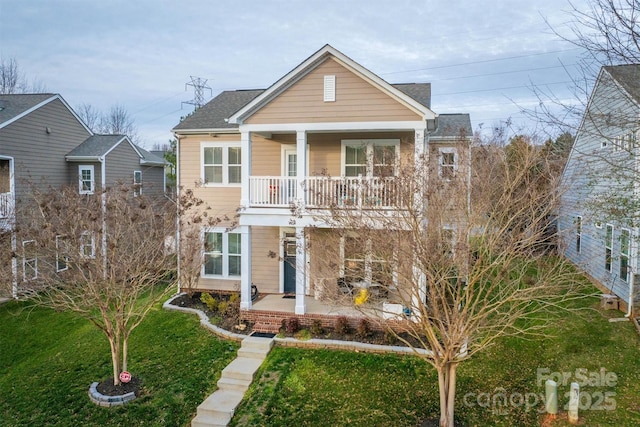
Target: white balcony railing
[(323, 192), (6, 205)]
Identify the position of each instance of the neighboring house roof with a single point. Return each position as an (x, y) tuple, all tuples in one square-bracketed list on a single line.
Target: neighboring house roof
[(15, 106), (151, 158), (453, 125), (628, 76)]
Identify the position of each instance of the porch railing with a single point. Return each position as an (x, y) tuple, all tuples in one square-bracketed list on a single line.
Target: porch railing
[(324, 192), (6, 205)]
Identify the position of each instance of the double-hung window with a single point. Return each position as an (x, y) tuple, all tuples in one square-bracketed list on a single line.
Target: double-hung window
[(447, 163), (62, 253), (222, 254), (29, 260), (221, 163), (137, 183), (578, 234), (370, 158), (362, 263), (86, 179), (608, 247), (87, 245), (624, 254)]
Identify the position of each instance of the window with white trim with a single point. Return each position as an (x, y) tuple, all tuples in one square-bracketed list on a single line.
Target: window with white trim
[(363, 264), (87, 244), (447, 163), (62, 253), (608, 247), (370, 158), (625, 240), (137, 183), (222, 254), (86, 179), (221, 163), (29, 260)]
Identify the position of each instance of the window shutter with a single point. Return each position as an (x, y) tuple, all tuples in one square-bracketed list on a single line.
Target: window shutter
[(329, 88)]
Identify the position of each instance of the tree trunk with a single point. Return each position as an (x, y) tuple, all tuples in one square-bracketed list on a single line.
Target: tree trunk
[(447, 387), (125, 351), (115, 359)]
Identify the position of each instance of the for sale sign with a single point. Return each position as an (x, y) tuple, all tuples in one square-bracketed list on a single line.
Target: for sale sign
[(125, 376)]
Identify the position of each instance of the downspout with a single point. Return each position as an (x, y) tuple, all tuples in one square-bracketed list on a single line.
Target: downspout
[(177, 242), (103, 181)]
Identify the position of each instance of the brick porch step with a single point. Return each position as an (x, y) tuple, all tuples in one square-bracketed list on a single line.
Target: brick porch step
[(266, 327)]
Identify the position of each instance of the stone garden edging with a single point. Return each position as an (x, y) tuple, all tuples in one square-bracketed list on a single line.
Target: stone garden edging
[(315, 343), (108, 401)]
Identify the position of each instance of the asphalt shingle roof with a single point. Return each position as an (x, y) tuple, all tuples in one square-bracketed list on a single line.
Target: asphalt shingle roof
[(421, 92), (212, 115), (12, 106), (95, 146), (452, 125), (151, 157), (628, 76)]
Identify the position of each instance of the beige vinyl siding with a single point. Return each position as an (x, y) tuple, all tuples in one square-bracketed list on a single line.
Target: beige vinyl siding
[(356, 100), (265, 268), (222, 200), (266, 156), (38, 155)]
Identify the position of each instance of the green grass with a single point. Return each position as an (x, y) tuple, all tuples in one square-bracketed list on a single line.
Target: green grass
[(322, 387), (48, 361)]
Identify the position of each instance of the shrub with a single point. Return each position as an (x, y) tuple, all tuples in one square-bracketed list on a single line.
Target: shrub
[(223, 306), (293, 325), (342, 325), (389, 337), (209, 301), (364, 328), (303, 335), (316, 327), (233, 307), (234, 299)]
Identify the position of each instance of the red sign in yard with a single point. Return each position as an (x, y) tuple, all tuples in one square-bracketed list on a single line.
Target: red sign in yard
[(125, 377)]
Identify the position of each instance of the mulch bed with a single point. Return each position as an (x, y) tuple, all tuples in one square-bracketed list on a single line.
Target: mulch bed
[(107, 388)]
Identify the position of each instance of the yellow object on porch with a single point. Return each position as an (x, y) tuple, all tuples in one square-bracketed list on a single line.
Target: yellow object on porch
[(362, 297)]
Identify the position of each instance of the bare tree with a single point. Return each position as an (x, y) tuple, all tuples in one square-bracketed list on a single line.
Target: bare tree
[(448, 277), (12, 81), (116, 121), (89, 115), (103, 257)]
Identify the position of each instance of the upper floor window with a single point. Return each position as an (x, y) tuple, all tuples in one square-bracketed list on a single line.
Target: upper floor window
[(221, 164), (447, 163), (222, 253), (86, 179), (137, 183), (370, 158)]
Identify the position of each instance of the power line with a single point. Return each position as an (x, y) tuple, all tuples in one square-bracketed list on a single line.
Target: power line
[(199, 85)]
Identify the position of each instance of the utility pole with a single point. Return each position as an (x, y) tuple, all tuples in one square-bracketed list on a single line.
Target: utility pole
[(199, 85)]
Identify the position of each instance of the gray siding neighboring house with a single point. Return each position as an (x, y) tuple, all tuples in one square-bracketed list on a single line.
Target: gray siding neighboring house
[(603, 162), (44, 143)]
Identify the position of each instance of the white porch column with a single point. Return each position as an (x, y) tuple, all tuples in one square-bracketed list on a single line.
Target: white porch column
[(419, 142), (301, 171), (245, 146), (421, 153), (245, 267), (301, 270)]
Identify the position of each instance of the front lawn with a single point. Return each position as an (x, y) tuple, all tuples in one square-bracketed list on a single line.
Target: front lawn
[(49, 359), (497, 388)]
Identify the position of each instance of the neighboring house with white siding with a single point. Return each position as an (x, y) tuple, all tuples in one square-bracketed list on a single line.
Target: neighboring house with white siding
[(312, 132), (598, 217), (43, 143)]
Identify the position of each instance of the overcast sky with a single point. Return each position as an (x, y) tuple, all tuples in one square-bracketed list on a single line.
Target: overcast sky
[(480, 56)]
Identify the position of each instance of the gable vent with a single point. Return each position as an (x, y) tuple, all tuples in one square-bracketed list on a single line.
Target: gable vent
[(329, 88)]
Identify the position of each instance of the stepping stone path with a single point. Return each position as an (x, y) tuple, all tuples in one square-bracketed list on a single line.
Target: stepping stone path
[(236, 378)]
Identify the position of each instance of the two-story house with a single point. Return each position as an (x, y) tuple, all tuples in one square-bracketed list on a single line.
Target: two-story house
[(308, 141), (44, 144), (598, 217)]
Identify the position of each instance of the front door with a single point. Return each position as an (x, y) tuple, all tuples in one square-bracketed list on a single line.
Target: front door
[(290, 263)]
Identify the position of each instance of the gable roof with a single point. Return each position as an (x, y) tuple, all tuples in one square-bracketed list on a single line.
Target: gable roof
[(628, 76), (313, 62), (15, 106), (453, 125), (149, 158), (97, 146)]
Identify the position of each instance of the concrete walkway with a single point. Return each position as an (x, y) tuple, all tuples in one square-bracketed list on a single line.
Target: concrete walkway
[(236, 378)]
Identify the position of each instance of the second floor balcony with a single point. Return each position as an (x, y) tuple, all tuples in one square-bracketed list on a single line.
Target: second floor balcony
[(322, 192)]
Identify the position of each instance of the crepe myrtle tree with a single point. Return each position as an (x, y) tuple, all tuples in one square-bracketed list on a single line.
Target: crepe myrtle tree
[(102, 256), (452, 259)]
